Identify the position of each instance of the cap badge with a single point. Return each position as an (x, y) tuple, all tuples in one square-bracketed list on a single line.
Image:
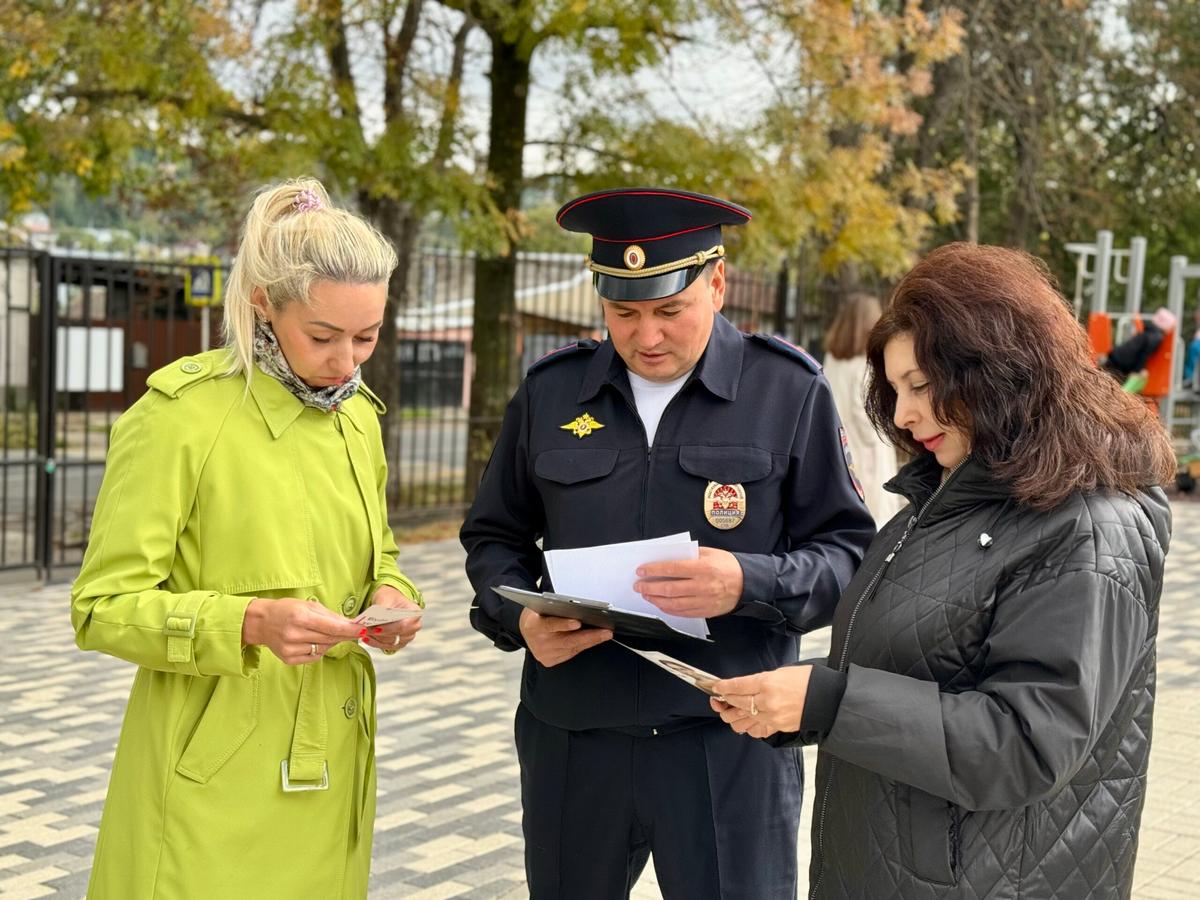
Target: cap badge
[(724, 505), (635, 257), (582, 426)]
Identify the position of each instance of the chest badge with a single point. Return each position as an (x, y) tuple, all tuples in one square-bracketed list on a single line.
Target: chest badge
[(724, 505), (582, 426)]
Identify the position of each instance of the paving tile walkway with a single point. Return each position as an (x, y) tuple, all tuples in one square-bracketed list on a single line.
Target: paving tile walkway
[(448, 815)]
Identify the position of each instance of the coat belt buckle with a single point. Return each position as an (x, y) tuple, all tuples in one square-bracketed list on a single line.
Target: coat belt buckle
[(290, 788)]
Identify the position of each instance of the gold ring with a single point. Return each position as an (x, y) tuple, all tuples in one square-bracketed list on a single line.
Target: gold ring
[(312, 649), (753, 705)]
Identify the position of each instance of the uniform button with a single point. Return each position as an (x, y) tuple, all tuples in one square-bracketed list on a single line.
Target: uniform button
[(350, 708), (349, 605), (191, 368)]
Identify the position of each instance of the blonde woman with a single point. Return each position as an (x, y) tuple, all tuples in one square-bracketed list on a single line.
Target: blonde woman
[(846, 369), (240, 528)]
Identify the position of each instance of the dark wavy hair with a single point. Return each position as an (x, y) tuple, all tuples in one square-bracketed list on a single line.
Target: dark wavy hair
[(1009, 365)]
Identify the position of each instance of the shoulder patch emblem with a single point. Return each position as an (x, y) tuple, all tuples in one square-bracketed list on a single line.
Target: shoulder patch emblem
[(787, 348), (862, 495), (582, 426)]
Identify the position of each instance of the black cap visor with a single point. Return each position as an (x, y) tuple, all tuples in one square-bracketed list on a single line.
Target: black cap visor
[(621, 290)]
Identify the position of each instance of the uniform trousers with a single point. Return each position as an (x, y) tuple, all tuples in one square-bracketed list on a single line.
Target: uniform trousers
[(718, 811)]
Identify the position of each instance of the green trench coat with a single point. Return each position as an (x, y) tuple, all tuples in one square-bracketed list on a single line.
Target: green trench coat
[(214, 495)]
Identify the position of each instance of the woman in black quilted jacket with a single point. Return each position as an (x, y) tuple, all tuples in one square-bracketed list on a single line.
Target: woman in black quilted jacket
[(984, 715)]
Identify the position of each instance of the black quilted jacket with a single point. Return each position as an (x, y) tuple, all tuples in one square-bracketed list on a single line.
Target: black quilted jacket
[(994, 730)]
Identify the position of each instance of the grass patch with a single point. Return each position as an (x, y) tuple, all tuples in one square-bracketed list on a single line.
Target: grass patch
[(17, 436), (442, 529), (417, 496)]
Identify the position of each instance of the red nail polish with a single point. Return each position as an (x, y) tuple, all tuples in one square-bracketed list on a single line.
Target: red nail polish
[(378, 631), (363, 633)]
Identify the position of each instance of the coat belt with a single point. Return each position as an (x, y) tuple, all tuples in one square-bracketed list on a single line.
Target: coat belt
[(310, 737), (306, 761)]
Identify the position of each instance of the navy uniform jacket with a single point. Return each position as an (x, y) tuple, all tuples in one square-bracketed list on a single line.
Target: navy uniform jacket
[(755, 412)]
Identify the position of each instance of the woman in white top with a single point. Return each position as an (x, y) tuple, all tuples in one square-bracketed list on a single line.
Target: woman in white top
[(846, 370)]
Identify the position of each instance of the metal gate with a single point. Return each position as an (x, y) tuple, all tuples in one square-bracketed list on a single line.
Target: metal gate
[(78, 337)]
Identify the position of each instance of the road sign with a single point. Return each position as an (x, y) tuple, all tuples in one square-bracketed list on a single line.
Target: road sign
[(202, 281)]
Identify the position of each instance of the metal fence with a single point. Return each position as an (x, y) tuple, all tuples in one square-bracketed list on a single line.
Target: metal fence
[(80, 335)]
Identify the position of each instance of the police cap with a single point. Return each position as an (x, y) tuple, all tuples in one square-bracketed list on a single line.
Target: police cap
[(649, 243)]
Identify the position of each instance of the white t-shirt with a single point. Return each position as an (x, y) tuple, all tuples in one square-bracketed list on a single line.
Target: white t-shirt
[(652, 398)]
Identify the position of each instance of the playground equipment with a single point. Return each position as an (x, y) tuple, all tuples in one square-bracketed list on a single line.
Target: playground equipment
[(1097, 266), (1108, 265), (1188, 470), (1182, 414)]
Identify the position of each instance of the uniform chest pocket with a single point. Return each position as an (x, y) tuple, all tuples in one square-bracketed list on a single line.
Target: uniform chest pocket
[(725, 465), (581, 489), (574, 466)]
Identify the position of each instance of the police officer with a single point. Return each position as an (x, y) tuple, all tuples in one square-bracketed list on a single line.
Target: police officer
[(676, 422)]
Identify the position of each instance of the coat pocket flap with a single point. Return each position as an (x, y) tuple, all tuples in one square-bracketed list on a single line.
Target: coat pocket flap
[(573, 466), (228, 719), (725, 465)]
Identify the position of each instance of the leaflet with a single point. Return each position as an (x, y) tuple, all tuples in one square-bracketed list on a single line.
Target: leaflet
[(697, 678), (607, 572)]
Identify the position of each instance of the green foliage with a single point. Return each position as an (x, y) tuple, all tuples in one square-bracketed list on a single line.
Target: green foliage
[(1149, 173), (818, 167), (175, 101), (1086, 116), (543, 234), (83, 90)]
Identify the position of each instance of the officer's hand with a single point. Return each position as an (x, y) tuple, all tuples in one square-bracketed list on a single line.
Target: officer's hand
[(700, 588), (391, 637), (760, 705), (297, 631), (553, 640)]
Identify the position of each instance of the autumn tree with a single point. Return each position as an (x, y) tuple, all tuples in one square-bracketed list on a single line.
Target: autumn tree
[(820, 165), (612, 34), (180, 100), (1148, 119)]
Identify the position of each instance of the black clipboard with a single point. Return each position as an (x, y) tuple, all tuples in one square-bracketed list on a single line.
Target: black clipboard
[(597, 613)]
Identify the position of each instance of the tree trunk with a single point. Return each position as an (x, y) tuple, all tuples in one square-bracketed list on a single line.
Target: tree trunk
[(971, 140), (1021, 214), (800, 328), (382, 371), (493, 339)]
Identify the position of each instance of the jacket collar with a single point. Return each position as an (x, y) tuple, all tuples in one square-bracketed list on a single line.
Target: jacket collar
[(970, 485), (719, 369), (279, 407)]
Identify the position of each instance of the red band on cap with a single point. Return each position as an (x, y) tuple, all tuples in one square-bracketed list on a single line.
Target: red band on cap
[(646, 240)]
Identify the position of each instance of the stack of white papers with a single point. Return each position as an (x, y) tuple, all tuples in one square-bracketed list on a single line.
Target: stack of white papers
[(608, 572)]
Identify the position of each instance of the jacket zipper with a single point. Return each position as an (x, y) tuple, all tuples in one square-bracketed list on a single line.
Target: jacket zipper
[(863, 598), (955, 840), (642, 514), (646, 464), (649, 448)]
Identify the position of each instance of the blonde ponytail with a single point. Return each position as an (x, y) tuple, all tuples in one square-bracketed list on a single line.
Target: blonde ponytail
[(293, 237)]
